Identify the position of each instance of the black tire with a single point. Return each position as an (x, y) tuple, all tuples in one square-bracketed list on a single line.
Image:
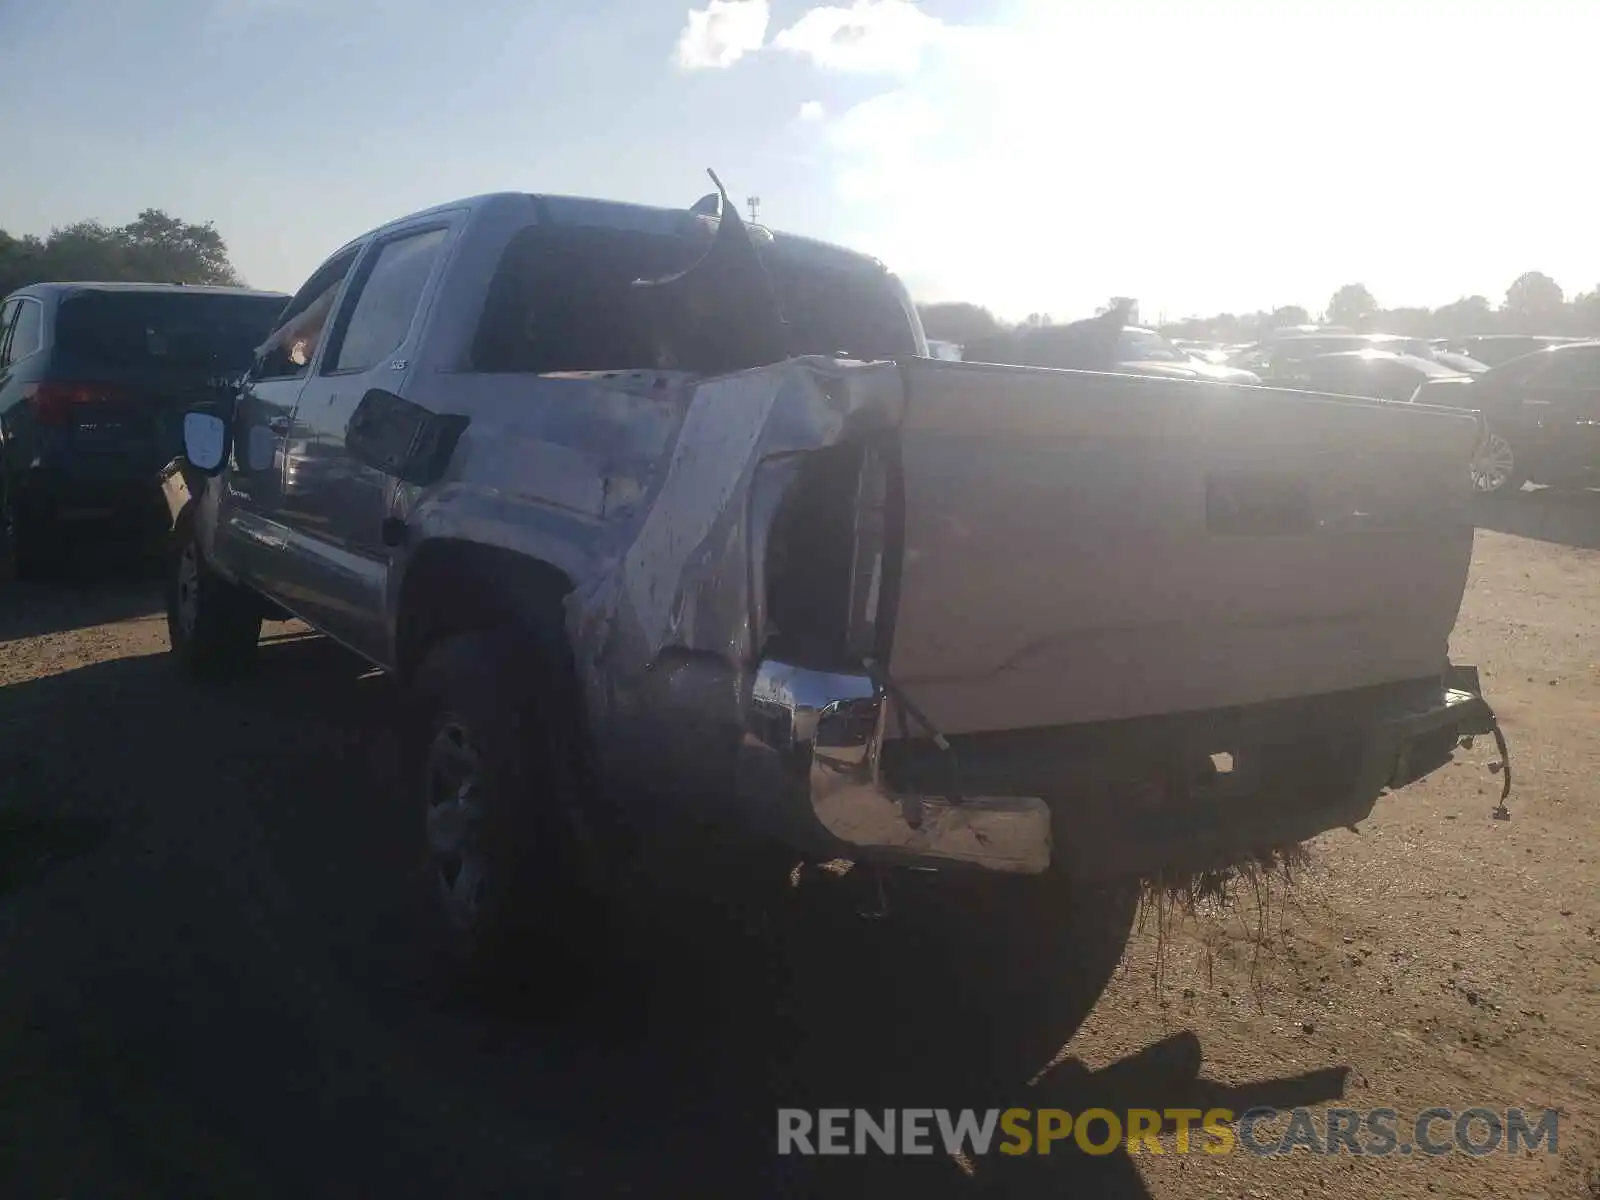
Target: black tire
[(500, 775), (25, 551), (213, 625), (1026, 958)]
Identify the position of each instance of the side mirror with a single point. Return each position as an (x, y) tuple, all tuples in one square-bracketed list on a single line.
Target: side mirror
[(205, 440), (391, 434)]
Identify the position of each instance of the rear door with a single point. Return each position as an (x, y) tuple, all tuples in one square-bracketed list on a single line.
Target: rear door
[(10, 395), (335, 508), (1560, 403), (1569, 383), (252, 537)]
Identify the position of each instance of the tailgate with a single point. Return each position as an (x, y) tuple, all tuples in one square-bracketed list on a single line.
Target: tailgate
[(1083, 547)]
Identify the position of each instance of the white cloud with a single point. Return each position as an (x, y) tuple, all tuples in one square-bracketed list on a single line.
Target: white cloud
[(812, 110), (722, 33), (870, 36)]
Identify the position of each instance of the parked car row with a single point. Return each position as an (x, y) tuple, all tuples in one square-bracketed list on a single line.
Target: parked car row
[(1127, 349), (1540, 395), (1493, 349)]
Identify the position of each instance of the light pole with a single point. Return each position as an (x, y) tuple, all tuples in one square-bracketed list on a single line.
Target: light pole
[(755, 204)]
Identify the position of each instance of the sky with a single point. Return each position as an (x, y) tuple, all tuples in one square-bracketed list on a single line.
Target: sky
[(1028, 155)]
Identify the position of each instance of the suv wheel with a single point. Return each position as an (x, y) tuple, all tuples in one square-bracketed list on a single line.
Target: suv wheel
[(23, 552), (212, 624), (1495, 469), (500, 776)]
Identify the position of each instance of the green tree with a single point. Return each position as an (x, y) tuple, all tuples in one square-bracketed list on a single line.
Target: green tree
[(1289, 314), (152, 247), (1126, 305), (1351, 305), (1410, 322), (1459, 318), (958, 322), (159, 246), (1586, 313), (1534, 299)]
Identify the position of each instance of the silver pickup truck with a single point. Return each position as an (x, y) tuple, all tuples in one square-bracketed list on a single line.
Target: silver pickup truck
[(657, 506)]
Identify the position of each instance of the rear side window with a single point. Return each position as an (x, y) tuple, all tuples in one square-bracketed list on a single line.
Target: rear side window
[(386, 301), (8, 314), (562, 299), (155, 329), (28, 333)]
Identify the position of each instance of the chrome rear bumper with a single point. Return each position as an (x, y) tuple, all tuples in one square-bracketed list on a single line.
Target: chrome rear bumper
[(810, 772), (810, 763)]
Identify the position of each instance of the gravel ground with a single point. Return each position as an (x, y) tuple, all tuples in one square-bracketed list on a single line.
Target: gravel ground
[(207, 986)]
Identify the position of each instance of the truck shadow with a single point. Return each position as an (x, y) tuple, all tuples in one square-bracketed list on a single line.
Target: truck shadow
[(79, 597), (219, 991), (1570, 518)]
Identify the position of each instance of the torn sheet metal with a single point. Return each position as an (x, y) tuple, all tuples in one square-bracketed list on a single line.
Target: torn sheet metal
[(662, 633)]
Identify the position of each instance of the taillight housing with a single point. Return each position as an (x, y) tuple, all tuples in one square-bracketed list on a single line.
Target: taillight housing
[(824, 568), (54, 403), (867, 567)]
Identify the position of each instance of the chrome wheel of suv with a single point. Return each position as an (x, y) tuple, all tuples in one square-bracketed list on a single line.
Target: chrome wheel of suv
[(1494, 465)]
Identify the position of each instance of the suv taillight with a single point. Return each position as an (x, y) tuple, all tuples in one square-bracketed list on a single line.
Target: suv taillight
[(53, 403)]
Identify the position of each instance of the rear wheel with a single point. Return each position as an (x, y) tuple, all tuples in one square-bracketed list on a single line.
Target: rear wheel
[(1018, 963), (24, 547), (213, 625), (1052, 948), (499, 774), (1496, 470)]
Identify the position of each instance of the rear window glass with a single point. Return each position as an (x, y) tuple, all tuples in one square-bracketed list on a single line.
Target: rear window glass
[(193, 329), (562, 300)]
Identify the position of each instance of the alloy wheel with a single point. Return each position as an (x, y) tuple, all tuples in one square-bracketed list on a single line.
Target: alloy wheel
[(1493, 464)]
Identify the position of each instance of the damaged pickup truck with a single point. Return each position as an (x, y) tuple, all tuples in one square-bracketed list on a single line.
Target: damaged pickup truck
[(656, 506)]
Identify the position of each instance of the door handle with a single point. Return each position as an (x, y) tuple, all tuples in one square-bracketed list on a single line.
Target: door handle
[(278, 424)]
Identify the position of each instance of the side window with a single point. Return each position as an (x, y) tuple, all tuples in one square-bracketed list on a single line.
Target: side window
[(7, 315), (27, 335), (385, 301), (290, 347)]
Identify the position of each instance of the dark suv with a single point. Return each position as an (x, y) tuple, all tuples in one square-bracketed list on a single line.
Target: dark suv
[(94, 380), (1543, 417), (1493, 349)]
